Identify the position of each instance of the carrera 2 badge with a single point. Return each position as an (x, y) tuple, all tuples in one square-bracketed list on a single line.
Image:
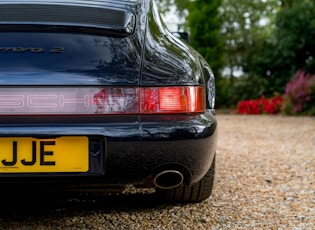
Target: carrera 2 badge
[(32, 49)]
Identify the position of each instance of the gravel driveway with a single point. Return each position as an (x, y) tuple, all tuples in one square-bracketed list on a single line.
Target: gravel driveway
[(265, 180)]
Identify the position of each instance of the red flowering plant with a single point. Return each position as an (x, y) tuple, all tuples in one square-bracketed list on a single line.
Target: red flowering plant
[(300, 94), (261, 106), (248, 107)]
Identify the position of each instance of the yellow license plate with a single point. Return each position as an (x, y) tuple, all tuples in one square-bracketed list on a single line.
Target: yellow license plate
[(33, 155)]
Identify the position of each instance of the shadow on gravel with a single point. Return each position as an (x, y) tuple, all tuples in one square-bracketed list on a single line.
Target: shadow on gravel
[(20, 202), (35, 206)]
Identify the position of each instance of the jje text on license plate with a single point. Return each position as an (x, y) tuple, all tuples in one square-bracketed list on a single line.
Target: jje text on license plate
[(34, 155)]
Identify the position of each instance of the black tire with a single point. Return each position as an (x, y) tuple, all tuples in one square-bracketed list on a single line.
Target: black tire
[(192, 194)]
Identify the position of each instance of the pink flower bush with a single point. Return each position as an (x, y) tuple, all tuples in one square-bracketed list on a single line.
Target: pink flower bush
[(300, 94)]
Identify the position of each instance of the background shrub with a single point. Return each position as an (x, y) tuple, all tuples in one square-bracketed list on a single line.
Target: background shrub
[(300, 94)]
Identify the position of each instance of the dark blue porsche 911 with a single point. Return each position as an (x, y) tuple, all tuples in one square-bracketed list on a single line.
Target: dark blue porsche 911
[(96, 95)]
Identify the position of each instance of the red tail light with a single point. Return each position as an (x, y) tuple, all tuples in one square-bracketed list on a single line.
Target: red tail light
[(101, 100), (172, 100)]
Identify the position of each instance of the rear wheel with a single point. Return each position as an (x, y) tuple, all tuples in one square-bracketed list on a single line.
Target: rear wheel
[(194, 193)]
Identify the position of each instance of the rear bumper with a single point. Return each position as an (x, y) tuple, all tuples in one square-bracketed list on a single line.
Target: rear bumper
[(132, 148)]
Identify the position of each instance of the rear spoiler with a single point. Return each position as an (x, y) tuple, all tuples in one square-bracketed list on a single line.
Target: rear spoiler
[(70, 17)]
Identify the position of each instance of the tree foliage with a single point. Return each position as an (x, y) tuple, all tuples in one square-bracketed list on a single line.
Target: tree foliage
[(271, 55), (204, 23), (291, 48), (182, 7), (244, 24)]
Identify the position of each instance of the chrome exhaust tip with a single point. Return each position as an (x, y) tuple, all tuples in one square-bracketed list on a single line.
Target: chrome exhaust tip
[(168, 179)]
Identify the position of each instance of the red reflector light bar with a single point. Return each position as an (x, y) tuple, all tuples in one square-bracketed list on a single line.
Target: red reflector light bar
[(101, 100)]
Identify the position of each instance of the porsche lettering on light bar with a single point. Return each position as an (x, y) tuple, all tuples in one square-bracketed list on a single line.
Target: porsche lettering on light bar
[(68, 101), (101, 100)]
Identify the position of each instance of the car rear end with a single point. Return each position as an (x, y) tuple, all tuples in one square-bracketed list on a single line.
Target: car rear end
[(77, 109)]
